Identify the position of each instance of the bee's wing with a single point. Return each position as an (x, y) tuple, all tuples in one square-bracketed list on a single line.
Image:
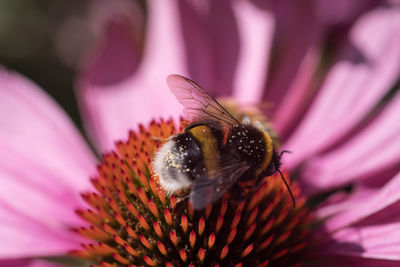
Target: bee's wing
[(210, 187), (199, 105)]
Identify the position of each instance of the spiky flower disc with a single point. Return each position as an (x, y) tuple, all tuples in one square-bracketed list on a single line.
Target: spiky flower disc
[(134, 223)]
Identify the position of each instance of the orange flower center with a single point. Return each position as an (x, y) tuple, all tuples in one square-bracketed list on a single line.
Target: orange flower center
[(134, 223)]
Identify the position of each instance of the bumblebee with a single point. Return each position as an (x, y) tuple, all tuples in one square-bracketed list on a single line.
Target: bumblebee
[(215, 152)]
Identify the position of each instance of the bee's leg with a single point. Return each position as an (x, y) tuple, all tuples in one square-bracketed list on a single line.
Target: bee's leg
[(248, 187), (259, 181), (155, 138), (182, 197), (180, 204), (245, 189)]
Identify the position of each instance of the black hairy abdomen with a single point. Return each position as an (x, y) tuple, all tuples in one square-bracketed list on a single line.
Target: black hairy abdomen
[(189, 149)]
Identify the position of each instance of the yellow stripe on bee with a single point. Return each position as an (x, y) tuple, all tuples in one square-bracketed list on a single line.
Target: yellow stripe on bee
[(209, 146), (269, 150)]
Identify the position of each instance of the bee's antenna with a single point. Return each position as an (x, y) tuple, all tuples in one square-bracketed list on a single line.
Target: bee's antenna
[(285, 151), (290, 191)]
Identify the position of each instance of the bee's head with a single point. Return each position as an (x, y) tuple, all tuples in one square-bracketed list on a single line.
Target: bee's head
[(275, 166)]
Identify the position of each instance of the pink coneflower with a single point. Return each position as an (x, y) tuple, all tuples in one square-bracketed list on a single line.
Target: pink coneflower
[(338, 117)]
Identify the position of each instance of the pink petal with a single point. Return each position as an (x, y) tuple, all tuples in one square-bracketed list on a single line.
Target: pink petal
[(44, 165), (227, 45), (256, 27), (382, 23), (292, 51), (341, 202), (367, 226), (341, 11), (23, 237), (375, 149), (296, 55), (351, 261), (111, 109), (29, 263), (42, 263), (117, 57), (15, 263), (380, 241), (211, 43), (298, 96), (385, 201), (351, 90)]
